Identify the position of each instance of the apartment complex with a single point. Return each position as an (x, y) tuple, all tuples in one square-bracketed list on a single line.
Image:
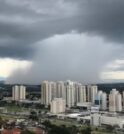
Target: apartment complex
[(18, 92)]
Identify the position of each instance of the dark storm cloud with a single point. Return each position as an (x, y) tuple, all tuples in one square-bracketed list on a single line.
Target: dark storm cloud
[(26, 22), (69, 56)]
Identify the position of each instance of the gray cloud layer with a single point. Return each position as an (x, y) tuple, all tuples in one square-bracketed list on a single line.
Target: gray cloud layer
[(25, 23), (68, 56)]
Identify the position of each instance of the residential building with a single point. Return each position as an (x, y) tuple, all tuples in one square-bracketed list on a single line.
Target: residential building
[(57, 106), (18, 92)]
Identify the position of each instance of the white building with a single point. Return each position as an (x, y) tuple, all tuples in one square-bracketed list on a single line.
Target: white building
[(86, 105), (61, 90), (48, 92), (107, 119), (123, 99), (115, 101), (45, 93), (53, 89), (104, 101), (98, 98), (57, 106), (112, 100), (91, 93), (101, 100), (18, 92), (70, 93), (118, 102), (81, 94)]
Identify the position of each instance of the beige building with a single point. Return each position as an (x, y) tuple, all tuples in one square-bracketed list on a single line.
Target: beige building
[(57, 105), (115, 101), (18, 92), (104, 101), (107, 119), (91, 93), (46, 94), (70, 94), (123, 99), (61, 90), (81, 94)]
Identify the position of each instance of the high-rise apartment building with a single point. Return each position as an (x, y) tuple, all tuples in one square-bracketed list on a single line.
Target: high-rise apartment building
[(91, 93), (98, 98), (123, 99), (53, 89), (61, 90), (70, 93), (112, 100), (18, 92), (115, 101), (57, 105), (118, 102), (46, 94), (81, 92), (104, 101), (101, 100)]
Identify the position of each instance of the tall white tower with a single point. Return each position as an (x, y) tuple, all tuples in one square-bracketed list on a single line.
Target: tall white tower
[(15, 93), (18, 92), (70, 93), (94, 90), (115, 101), (104, 101), (123, 99), (98, 98), (61, 90), (22, 93), (46, 95), (101, 100), (112, 100), (118, 102), (52, 90), (91, 93), (81, 93)]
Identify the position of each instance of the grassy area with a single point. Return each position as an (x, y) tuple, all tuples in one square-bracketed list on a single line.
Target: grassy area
[(62, 122), (95, 130), (16, 109), (7, 117)]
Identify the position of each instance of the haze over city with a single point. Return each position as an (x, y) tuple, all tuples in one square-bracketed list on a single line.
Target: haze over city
[(80, 40)]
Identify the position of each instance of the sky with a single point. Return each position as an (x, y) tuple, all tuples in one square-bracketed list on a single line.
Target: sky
[(81, 40)]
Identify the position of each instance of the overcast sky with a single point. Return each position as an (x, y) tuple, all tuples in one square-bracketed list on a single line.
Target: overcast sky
[(81, 40)]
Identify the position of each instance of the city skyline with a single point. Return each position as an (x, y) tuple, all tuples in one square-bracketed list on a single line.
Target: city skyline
[(59, 40)]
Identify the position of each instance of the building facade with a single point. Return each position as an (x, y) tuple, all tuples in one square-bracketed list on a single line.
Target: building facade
[(115, 101), (18, 92), (57, 106)]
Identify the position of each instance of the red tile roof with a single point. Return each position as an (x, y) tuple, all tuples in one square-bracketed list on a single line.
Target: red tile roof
[(11, 131)]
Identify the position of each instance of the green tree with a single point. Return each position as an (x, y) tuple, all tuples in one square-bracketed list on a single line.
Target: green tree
[(58, 130), (73, 129), (109, 128), (86, 130), (33, 115)]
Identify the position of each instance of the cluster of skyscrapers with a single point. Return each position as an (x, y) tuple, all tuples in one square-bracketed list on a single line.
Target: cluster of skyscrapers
[(69, 94), (74, 93)]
